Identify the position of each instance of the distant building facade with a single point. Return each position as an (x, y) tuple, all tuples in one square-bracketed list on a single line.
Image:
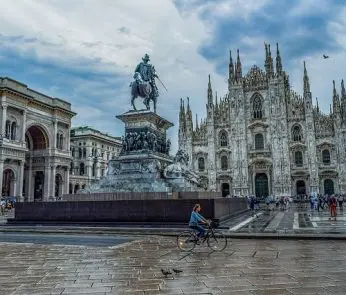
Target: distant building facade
[(91, 150), (34, 143), (264, 139)]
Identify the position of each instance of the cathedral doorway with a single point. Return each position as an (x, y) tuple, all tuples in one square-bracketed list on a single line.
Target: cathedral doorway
[(38, 188), (328, 187), (301, 188), (261, 185), (225, 189), (8, 183)]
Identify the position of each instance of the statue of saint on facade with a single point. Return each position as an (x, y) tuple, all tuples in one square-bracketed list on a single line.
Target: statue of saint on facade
[(144, 84)]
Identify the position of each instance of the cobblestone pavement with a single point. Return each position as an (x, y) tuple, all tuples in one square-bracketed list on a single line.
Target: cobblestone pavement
[(245, 267), (298, 218)]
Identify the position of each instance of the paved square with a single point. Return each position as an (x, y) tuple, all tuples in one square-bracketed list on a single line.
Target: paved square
[(299, 218), (245, 267)]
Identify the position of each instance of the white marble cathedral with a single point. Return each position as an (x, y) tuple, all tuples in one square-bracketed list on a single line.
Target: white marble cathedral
[(264, 139)]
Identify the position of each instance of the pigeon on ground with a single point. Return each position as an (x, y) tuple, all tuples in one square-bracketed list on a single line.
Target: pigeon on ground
[(177, 270), (165, 272), (325, 56)]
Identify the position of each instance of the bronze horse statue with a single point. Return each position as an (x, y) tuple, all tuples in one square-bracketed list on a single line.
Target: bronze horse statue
[(144, 89)]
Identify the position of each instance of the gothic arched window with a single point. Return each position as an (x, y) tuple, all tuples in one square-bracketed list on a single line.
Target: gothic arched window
[(326, 157), (298, 158), (94, 170), (224, 163), (297, 133), (80, 153), (223, 139), (13, 130), (201, 164), (259, 141), (257, 107), (81, 169)]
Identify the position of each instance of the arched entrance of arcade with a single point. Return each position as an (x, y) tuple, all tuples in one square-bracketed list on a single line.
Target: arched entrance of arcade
[(36, 169)]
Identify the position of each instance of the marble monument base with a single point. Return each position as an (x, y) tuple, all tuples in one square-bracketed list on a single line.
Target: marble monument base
[(144, 164)]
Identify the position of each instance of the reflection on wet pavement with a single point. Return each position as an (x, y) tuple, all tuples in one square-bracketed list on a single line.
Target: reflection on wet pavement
[(298, 219), (245, 267)]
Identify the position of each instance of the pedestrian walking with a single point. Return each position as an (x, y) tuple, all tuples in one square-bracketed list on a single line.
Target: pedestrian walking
[(332, 207), (340, 201)]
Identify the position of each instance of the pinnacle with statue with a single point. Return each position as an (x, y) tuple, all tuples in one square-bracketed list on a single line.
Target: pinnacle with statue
[(144, 84)]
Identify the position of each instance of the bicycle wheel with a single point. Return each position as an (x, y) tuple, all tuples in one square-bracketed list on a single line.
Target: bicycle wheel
[(217, 241), (186, 241)]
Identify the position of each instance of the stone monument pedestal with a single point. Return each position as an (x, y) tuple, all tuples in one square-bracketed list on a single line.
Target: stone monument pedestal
[(144, 164)]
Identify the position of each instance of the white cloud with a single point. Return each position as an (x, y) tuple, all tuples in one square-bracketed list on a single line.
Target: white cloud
[(113, 35)]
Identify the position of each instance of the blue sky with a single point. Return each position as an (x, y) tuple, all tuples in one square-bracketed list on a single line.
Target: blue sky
[(86, 53)]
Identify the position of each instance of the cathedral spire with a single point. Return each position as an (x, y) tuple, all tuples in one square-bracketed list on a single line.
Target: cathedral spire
[(238, 68), (317, 107), (216, 102), (343, 92), (189, 123), (197, 122), (306, 80), (278, 60), (231, 69), (210, 93), (336, 100), (334, 89), (268, 63), (182, 122)]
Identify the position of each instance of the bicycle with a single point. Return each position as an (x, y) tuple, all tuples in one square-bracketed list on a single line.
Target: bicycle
[(188, 239)]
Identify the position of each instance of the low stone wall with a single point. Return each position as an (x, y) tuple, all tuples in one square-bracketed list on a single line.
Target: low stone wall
[(140, 196), (147, 211)]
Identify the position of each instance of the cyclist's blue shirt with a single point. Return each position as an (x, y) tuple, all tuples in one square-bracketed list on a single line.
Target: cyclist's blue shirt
[(195, 218)]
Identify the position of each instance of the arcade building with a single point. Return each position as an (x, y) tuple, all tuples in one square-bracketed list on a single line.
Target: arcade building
[(34, 143)]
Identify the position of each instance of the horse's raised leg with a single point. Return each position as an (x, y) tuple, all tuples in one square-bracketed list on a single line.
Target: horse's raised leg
[(147, 103), (133, 103)]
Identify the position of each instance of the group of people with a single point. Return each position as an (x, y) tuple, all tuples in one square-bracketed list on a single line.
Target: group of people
[(6, 203), (319, 203)]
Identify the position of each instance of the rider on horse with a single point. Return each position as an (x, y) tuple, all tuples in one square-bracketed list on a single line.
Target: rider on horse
[(145, 76)]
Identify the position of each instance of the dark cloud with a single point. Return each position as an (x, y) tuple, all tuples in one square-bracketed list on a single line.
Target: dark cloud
[(124, 30), (78, 85), (299, 35)]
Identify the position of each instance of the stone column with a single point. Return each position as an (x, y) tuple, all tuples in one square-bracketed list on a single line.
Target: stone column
[(67, 182), (98, 170), (1, 176), (46, 190), (28, 183), (52, 181), (23, 127), (20, 180), (68, 138), (55, 124), (4, 117)]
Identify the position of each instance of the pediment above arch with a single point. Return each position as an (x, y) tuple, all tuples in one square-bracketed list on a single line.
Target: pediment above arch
[(298, 145), (325, 144), (258, 123)]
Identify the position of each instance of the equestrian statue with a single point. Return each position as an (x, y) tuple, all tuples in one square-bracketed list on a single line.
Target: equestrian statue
[(144, 84)]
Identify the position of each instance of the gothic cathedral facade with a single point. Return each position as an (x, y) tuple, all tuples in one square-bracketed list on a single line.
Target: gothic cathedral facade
[(263, 139)]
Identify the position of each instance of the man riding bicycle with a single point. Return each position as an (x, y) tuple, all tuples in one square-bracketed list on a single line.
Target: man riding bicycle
[(196, 219)]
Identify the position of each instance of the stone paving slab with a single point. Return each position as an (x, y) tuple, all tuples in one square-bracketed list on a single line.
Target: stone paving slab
[(245, 267)]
